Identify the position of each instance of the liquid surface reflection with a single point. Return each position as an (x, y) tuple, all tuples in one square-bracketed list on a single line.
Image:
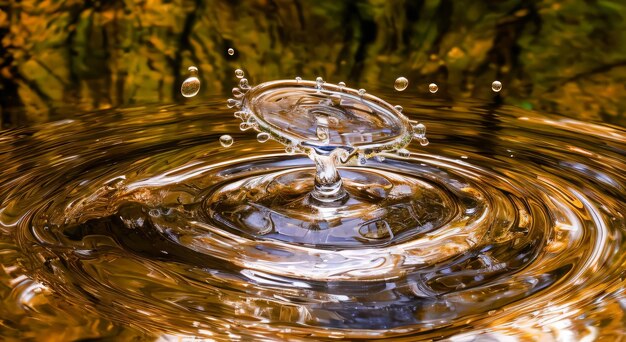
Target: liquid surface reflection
[(108, 231)]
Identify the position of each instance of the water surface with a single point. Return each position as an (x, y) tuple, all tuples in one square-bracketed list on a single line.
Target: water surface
[(107, 231)]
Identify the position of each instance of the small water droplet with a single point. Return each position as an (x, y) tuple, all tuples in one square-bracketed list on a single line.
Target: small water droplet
[(362, 91), (244, 126), (496, 86), (230, 103), (239, 73), (341, 85), (193, 71), (190, 87), (226, 140), (319, 82), (237, 93), (398, 108), (243, 84), (290, 149), (419, 130), (433, 88), (231, 51), (424, 141), (262, 137), (380, 159), (401, 83), (298, 79)]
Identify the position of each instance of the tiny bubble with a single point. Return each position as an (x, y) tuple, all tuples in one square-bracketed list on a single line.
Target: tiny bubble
[(239, 73), (433, 88), (231, 51)]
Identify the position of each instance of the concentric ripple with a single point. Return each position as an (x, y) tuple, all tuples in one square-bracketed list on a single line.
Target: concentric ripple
[(519, 216)]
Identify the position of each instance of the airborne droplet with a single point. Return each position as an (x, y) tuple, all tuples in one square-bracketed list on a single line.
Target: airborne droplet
[(401, 83), (231, 51), (433, 88), (226, 140), (191, 86), (239, 73), (496, 86)]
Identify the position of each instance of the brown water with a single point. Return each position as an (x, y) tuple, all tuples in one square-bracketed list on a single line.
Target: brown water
[(107, 231)]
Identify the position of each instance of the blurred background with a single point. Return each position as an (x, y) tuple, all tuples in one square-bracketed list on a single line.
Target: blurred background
[(59, 58)]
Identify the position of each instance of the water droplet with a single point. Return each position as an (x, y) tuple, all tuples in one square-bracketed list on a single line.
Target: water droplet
[(239, 73), (362, 91), (231, 51), (243, 84), (237, 93), (230, 103), (424, 141), (341, 85), (244, 126), (193, 71), (290, 150), (380, 159), (496, 86), (401, 83), (226, 140), (404, 153), (262, 137), (190, 87), (298, 79), (433, 88), (398, 108), (419, 130), (319, 82)]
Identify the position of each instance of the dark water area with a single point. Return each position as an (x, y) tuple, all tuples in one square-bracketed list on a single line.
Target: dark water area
[(124, 218)]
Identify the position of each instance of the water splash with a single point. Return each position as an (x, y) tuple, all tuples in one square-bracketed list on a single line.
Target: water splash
[(126, 231)]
